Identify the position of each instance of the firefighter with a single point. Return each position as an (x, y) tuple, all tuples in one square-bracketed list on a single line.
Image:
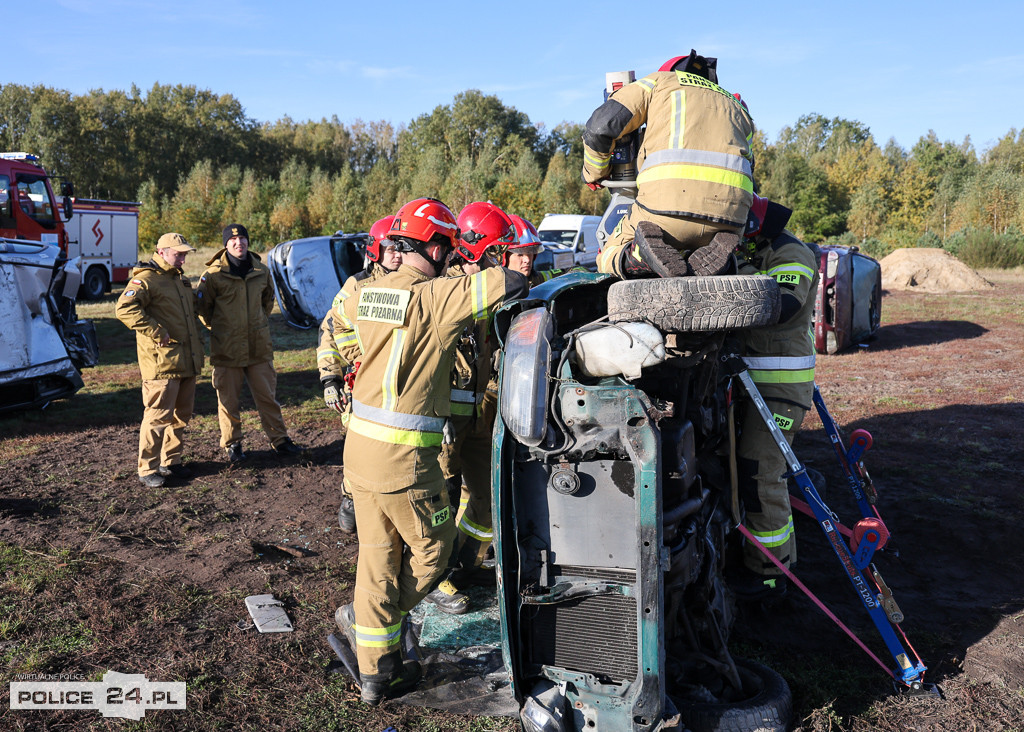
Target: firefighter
[(235, 299), (338, 351), (484, 232), (408, 325), (159, 305), (695, 179), (780, 360), (520, 255)]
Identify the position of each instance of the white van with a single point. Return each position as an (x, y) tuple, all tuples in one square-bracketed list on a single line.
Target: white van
[(571, 239)]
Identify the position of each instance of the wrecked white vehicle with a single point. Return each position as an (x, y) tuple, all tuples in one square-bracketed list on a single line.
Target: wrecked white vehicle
[(43, 344), (309, 272)]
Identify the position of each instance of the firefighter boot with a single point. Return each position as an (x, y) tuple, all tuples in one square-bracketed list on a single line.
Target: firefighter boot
[(347, 514), (716, 257), (631, 267), (376, 687), (345, 619), (659, 256), (448, 599)]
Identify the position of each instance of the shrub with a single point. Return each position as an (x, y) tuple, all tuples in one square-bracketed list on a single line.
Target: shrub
[(983, 248)]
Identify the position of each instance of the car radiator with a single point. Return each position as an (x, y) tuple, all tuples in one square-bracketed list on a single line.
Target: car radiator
[(595, 635)]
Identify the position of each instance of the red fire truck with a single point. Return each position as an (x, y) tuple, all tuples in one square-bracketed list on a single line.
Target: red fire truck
[(28, 208), (106, 235)]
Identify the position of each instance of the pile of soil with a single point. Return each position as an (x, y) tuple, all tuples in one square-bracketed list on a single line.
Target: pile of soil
[(929, 270)]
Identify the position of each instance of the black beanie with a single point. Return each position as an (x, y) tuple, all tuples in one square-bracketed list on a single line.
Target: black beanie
[(234, 230)]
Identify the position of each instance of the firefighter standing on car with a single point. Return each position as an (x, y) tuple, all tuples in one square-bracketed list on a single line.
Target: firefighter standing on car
[(338, 352), (484, 233), (695, 171), (235, 299), (407, 325), (780, 360), (159, 305)]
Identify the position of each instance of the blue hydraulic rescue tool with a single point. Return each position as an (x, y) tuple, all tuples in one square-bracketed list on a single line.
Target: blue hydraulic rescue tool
[(868, 536)]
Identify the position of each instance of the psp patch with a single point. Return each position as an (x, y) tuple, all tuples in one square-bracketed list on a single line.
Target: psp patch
[(440, 517)]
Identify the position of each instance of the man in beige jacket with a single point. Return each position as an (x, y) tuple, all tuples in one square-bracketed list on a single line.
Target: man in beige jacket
[(159, 305), (235, 297)]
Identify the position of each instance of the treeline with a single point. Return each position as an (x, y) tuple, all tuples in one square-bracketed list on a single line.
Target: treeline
[(196, 161)]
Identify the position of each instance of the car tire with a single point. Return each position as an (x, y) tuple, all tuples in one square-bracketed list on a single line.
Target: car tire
[(768, 708), (94, 283), (697, 304)]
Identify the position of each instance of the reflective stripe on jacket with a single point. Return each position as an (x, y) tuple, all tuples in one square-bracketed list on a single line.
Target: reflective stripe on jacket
[(695, 158), (338, 347), (781, 357), (407, 325)]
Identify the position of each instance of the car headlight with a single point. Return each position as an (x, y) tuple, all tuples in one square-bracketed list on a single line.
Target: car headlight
[(524, 377)]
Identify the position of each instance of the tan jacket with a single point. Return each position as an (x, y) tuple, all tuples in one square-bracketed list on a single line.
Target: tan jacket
[(338, 348), (235, 310), (781, 357), (695, 158), (471, 376), (159, 301), (407, 326)]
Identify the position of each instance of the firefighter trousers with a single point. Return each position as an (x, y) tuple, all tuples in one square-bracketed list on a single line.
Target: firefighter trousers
[(405, 538), (470, 457), (167, 408), (683, 233), (262, 380), (763, 489)]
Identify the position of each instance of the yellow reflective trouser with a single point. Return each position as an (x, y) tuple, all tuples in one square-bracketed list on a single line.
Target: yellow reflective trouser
[(763, 490), (684, 233), (405, 538), (168, 405), (470, 456)]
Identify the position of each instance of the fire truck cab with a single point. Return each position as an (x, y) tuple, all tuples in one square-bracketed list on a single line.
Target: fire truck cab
[(28, 208)]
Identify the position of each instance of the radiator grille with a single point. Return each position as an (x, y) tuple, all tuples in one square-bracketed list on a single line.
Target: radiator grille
[(594, 635), (622, 576)]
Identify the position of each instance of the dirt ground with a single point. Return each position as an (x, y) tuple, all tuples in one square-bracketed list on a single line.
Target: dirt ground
[(100, 573)]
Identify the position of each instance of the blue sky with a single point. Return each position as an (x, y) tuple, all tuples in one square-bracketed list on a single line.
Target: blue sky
[(901, 68)]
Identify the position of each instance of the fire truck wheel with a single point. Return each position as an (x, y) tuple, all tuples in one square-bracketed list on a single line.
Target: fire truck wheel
[(767, 706), (94, 284), (697, 304)]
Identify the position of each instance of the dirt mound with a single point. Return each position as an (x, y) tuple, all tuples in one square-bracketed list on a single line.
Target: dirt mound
[(929, 270)]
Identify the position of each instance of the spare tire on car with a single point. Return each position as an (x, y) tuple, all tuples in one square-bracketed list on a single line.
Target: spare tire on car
[(697, 304)]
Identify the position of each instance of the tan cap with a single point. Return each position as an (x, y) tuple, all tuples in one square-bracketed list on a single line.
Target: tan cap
[(174, 241)]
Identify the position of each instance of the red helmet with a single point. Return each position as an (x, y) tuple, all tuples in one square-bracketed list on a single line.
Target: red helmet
[(766, 218), (483, 225), (424, 219), (527, 234), (693, 63), (670, 65), (378, 233)]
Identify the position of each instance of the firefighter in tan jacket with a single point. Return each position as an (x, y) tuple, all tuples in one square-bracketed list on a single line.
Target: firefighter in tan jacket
[(159, 305), (407, 325), (235, 299), (338, 352), (695, 170), (484, 233), (780, 359)]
